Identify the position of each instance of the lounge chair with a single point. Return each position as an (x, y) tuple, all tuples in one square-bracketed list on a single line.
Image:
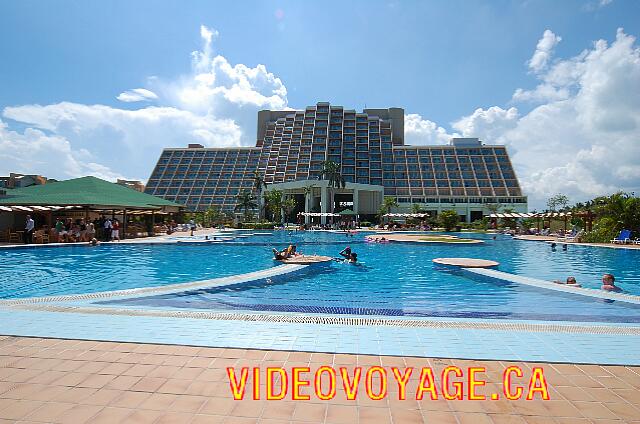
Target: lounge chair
[(624, 237), (572, 237)]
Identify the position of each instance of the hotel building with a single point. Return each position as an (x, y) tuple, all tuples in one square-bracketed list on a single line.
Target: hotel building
[(291, 146)]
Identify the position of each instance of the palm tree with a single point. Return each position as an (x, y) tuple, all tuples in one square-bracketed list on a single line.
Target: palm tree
[(213, 216), (274, 203), (331, 172), (288, 205), (387, 203), (246, 201), (258, 184)]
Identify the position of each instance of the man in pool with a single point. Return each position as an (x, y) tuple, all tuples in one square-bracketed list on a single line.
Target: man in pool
[(608, 283), (346, 252), (571, 281)]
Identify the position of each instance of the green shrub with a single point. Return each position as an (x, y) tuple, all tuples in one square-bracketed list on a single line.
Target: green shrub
[(479, 224), (365, 224), (449, 220), (603, 231), (257, 225)]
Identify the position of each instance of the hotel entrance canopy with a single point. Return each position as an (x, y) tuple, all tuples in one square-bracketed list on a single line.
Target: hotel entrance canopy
[(365, 198)]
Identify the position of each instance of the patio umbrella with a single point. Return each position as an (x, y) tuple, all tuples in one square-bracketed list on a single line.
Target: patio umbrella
[(346, 212)]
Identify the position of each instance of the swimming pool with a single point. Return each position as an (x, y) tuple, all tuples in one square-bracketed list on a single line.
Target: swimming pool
[(396, 279)]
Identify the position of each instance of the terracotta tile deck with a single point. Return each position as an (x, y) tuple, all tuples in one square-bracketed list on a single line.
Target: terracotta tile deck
[(71, 381)]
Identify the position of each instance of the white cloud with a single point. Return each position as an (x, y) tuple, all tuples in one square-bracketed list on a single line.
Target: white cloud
[(34, 152), (542, 93), (127, 140), (596, 4), (544, 50), (420, 131), (584, 139), (137, 95), (216, 105), (225, 90), (488, 125)]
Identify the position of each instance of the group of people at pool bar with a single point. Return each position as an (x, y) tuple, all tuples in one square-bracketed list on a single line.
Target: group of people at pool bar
[(280, 255), (68, 230)]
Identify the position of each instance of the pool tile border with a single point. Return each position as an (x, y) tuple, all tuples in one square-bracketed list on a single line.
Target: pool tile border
[(356, 321), (228, 281)]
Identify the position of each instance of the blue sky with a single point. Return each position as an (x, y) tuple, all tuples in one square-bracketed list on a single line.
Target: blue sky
[(440, 60)]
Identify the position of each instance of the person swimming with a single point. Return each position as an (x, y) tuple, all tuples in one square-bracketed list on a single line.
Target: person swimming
[(346, 252), (571, 281), (608, 283)]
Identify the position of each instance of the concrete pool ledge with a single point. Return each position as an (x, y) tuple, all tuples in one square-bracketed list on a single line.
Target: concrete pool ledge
[(229, 281), (519, 279)]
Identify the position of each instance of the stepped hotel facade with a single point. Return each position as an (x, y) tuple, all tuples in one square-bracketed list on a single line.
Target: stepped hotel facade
[(466, 175)]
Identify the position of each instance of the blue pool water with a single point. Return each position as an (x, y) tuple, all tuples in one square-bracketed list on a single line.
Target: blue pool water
[(393, 279)]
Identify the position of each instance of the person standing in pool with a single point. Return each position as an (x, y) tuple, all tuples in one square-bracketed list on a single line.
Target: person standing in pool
[(608, 283), (346, 252)]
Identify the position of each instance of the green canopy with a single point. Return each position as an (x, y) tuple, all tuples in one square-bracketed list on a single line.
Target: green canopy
[(347, 212), (86, 191)]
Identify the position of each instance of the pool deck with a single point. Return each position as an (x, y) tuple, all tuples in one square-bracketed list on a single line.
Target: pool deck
[(72, 381)]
